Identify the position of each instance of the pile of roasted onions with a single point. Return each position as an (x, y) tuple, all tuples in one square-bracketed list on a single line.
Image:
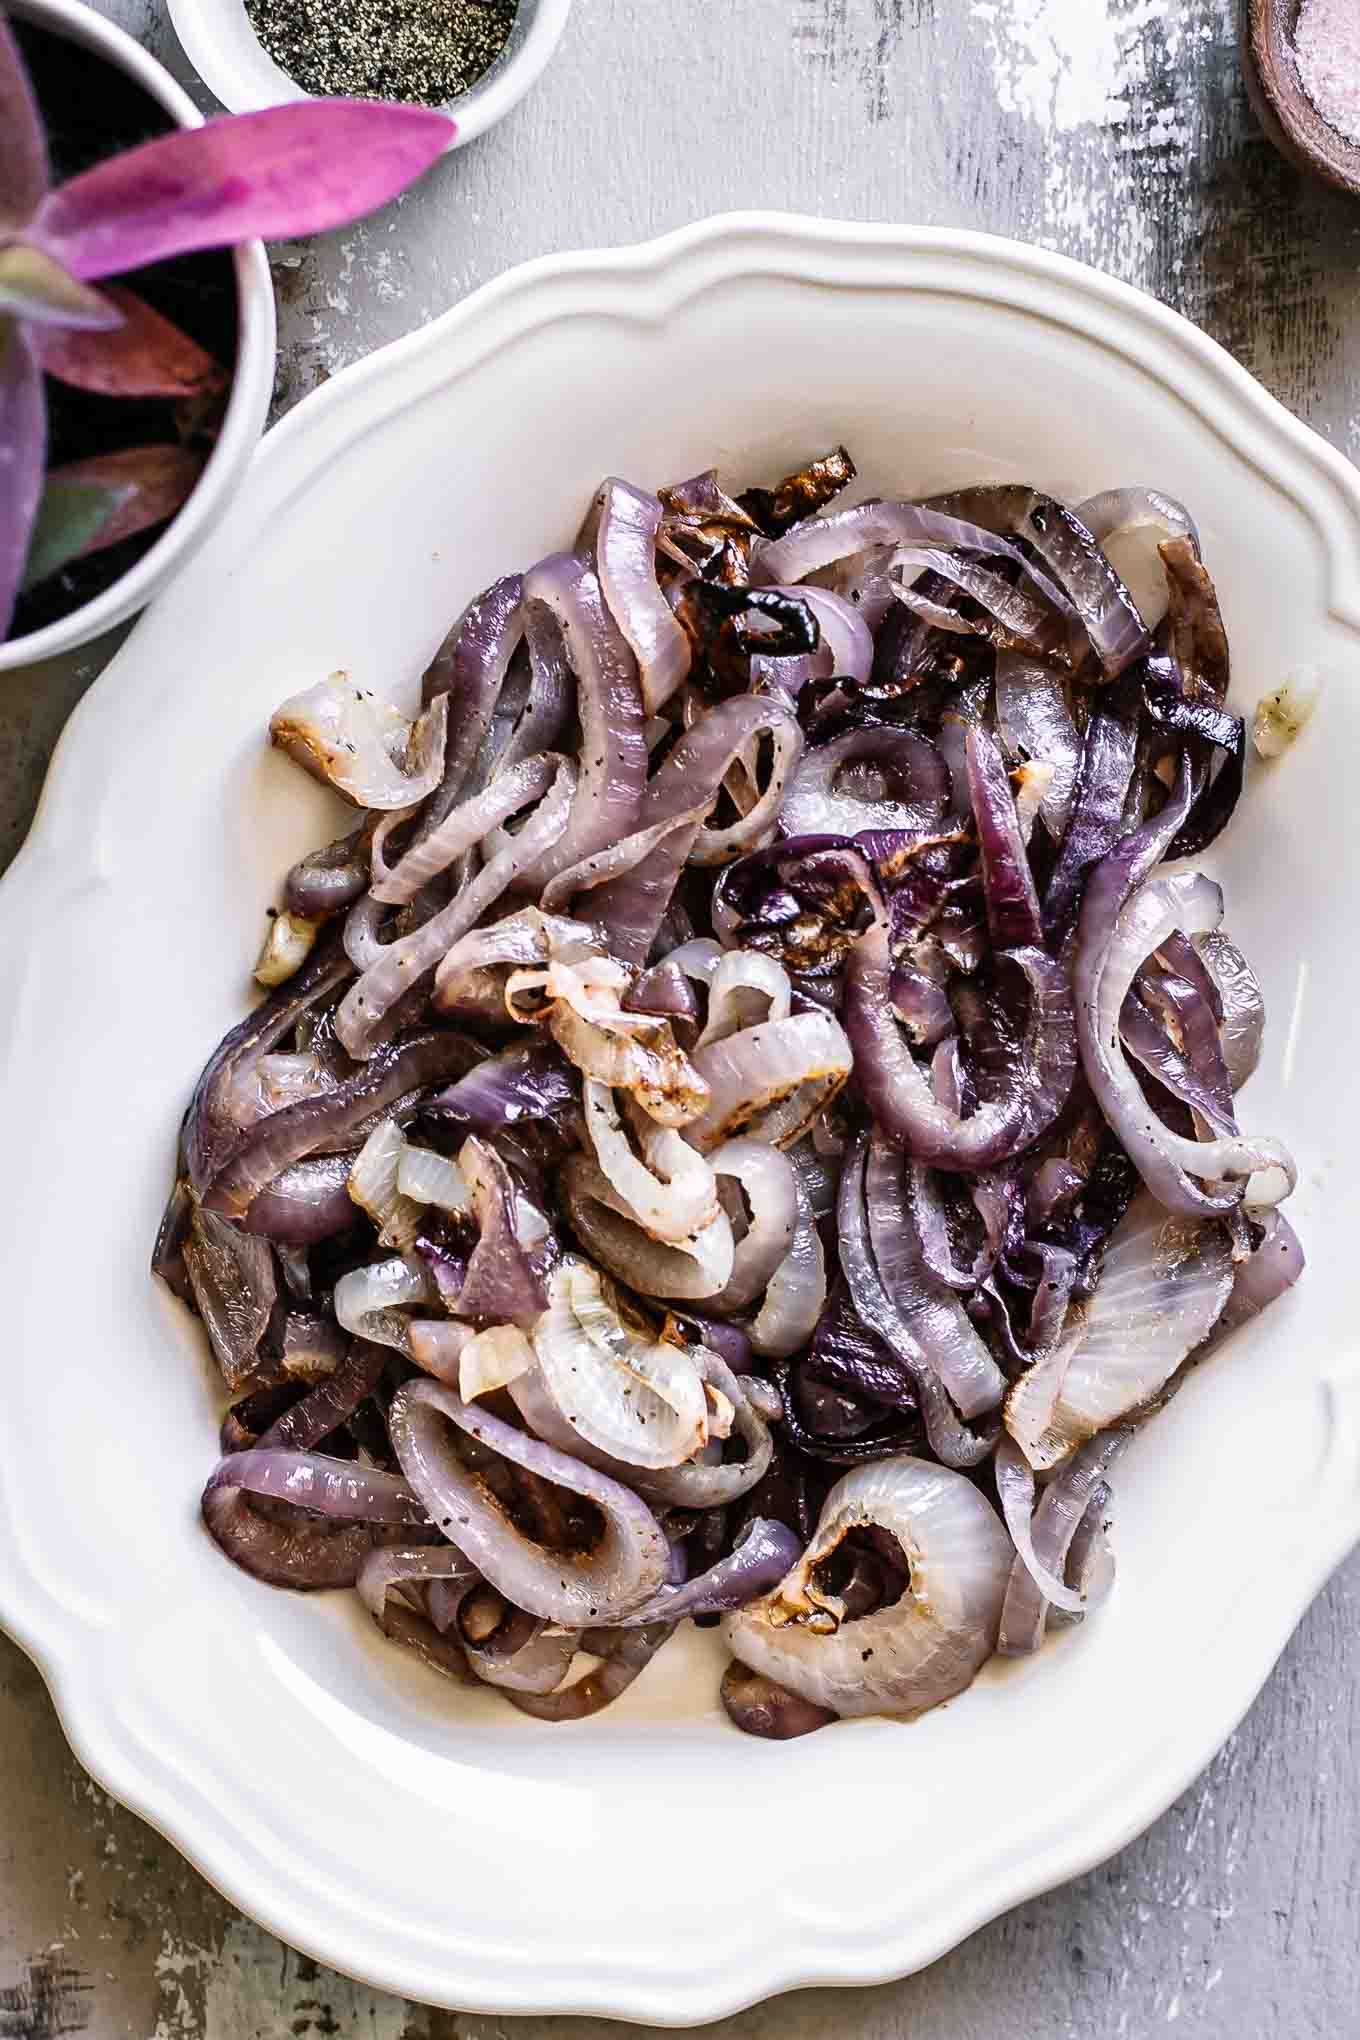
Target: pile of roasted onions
[(744, 1126)]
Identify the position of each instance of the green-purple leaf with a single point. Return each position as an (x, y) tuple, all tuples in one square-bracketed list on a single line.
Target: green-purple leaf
[(34, 287), (23, 449), (70, 518), (90, 504), (287, 171), (147, 356), (23, 146)]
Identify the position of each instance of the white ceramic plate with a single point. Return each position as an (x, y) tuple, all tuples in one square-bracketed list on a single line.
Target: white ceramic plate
[(651, 1863)]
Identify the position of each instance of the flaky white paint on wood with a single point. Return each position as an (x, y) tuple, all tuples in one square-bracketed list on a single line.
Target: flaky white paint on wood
[(1116, 131)]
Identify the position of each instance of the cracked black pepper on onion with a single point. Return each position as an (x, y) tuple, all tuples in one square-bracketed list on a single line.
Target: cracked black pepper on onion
[(422, 51)]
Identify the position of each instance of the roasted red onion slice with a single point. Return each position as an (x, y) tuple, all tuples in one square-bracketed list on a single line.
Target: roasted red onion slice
[(697, 1484), (331, 1401), (1090, 1559), (307, 1202), (276, 1080), (745, 989), (846, 639), (1036, 1581), (760, 1706), (471, 980), (914, 1650), (388, 1571), (437, 1346), (867, 779), (326, 1487), (234, 1287), (394, 885), (502, 1282), (313, 1347), (660, 847), (907, 1379), (326, 1123), (369, 1301), (212, 1125), (406, 961), (1244, 1012), (470, 668), (821, 541), (373, 1187), (305, 1554), (770, 1190), (323, 1547), (1109, 749), (667, 1189), (1007, 881), (1199, 643), (1106, 963), (1180, 708), (1015, 1487), (761, 1556), (512, 1089), (625, 548), (1198, 1076), (1086, 578), (521, 1654), (802, 493), (1035, 722), (629, 1654), (795, 1295), (629, 907), (1130, 526), (613, 756), (638, 1399), (932, 1313), (930, 1221), (626, 1563), (1164, 1282), (666, 989), (898, 1090), (327, 881), (1033, 1400), (770, 1081), (1272, 1267), (692, 1270), (288, 943), (351, 739)]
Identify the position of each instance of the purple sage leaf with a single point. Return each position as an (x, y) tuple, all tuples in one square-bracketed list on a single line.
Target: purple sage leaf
[(147, 485), (147, 356), (70, 518), (23, 146), (23, 450), (288, 171), (34, 287)]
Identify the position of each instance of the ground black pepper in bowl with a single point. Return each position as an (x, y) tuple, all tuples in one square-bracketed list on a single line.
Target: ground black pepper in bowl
[(424, 51)]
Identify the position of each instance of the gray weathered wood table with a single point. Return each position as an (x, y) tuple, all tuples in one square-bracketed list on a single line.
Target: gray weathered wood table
[(1115, 130)]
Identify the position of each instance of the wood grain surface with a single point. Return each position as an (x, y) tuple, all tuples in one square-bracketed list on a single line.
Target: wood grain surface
[(1117, 131)]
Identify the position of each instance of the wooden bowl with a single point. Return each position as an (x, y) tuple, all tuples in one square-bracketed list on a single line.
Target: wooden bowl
[(1283, 108)]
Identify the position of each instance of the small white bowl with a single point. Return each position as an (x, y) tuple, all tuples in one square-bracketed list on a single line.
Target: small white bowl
[(232, 62), (252, 378)]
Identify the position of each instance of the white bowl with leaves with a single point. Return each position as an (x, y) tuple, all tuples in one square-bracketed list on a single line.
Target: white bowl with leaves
[(127, 416), (251, 380)]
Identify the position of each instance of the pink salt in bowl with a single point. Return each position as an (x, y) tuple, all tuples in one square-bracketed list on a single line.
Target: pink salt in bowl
[(1294, 48)]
